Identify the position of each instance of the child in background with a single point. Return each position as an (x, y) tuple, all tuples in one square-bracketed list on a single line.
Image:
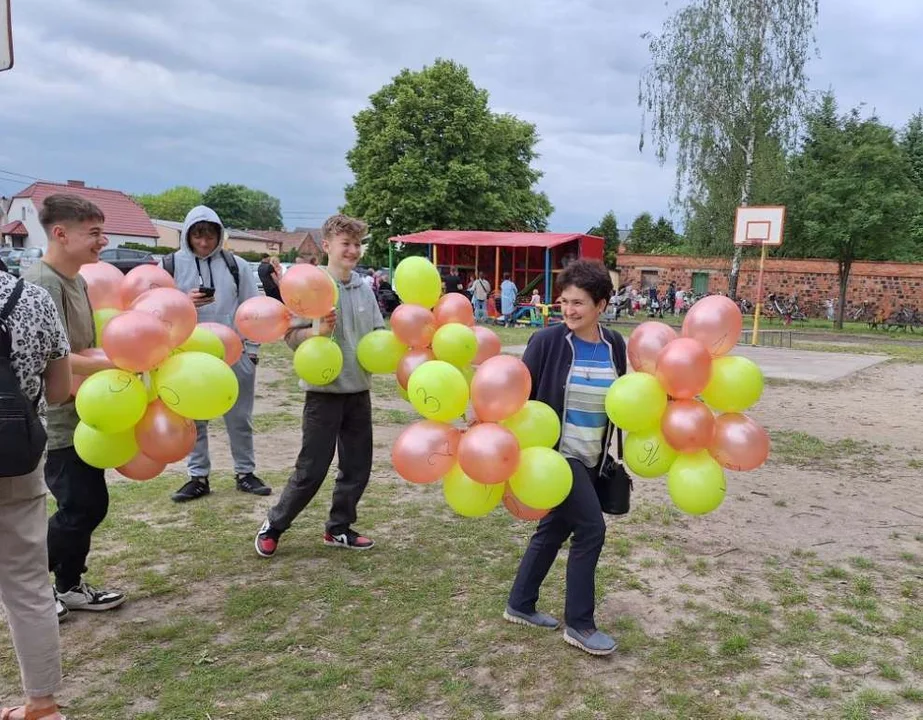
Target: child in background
[(536, 298)]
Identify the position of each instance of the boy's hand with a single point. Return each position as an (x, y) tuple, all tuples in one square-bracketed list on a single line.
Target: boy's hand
[(199, 298), (327, 323)]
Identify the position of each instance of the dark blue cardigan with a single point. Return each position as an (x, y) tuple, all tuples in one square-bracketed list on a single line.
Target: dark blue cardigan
[(549, 356)]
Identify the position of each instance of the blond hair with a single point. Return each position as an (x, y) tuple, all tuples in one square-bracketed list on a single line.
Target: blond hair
[(335, 225)]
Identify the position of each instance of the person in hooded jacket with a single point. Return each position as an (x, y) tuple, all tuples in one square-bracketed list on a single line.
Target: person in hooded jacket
[(218, 282)]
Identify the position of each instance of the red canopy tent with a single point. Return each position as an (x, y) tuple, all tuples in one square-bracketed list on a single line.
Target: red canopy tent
[(525, 256)]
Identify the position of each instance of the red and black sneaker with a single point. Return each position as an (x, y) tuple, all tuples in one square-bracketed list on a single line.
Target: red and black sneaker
[(267, 540), (351, 540)]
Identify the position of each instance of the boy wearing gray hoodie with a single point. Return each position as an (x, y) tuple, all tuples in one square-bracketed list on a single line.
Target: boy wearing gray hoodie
[(337, 417), (218, 282)]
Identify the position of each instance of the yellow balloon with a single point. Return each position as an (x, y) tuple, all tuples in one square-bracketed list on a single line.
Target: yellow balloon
[(456, 344), (543, 479), (380, 351), (635, 402), (318, 361), (104, 450), (111, 401), (438, 391), (696, 483), (101, 318), (467, 497), (535, 425), (417, 282), (196, 385), (647, 454), (402, 392), (205, 341), (736, 384)]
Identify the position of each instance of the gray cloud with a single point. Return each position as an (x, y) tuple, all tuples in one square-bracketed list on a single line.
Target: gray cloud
[(142, 96)]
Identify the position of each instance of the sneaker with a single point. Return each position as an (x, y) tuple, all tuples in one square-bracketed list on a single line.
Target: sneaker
[(194, 488), (267, 540), (593, 642), (60, 608), (250, 483), (85, 597), (350, 540), (535, 619)]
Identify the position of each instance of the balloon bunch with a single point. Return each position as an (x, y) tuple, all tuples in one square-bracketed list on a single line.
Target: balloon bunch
[(169, 371), (442, 361), (672, 432), (307, 292)]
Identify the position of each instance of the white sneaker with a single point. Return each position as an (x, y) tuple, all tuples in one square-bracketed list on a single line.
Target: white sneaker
[(60, 608), (85, 597)]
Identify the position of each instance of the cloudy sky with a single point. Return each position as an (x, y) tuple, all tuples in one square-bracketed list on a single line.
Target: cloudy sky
[(141, 95)]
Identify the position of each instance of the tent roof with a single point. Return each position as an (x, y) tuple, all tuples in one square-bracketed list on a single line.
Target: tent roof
[(490, 239)]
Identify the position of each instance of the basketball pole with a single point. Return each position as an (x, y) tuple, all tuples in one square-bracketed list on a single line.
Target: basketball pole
[(759, 298)]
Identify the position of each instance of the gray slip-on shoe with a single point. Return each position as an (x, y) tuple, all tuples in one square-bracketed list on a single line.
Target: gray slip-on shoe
[(593, 642), (536, 619)]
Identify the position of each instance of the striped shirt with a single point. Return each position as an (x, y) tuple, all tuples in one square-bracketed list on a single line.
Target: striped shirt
[(585, 420)]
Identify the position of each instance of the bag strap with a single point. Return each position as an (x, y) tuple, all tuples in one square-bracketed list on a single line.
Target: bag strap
[(169, 264), (6, 337), (232, 268)]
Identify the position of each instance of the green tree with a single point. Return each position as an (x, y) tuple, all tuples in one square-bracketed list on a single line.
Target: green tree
[(608, 229), (911, 142), (172, 204), (643, 237), (244, 208), (429, 153), (850, 192), (725, 76)]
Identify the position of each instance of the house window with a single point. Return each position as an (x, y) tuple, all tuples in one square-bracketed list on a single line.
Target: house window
[(699, 283), (23, 213)]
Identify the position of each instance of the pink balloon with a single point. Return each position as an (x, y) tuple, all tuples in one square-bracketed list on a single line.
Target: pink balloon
[(688, 425), (739, 443), (683, 368), (488, 344), (411, 360), (104, 285), (716, 322), (136, 341), (141, 467), (413, 325), (646, 342), (164, 436), (143, 278), (500, 388), (308, 291), (520, 510), (488, 453), (173, 308), (454, 308), (263, 319), (233, 346), (425, 451)]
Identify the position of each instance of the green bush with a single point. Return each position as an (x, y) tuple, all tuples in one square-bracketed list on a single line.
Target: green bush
[(154, 250)]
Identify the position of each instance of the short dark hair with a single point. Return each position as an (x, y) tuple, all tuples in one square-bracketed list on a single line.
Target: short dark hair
[(62, 207), (264, 256), (591, 276), (506, 276)]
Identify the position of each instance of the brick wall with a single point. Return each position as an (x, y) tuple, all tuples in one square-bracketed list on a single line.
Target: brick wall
[(889, 285)]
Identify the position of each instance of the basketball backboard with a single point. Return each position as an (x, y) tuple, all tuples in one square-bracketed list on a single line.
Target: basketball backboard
[(759, 225), (6, 36)]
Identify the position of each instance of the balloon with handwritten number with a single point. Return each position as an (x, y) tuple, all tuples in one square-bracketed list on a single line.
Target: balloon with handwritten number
[(318, 361), (467, 497), (111, 401), (438, 391), (425, 451), (647, 453)]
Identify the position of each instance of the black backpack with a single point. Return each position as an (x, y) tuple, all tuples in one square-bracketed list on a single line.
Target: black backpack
[(169, 264), (22, 435)]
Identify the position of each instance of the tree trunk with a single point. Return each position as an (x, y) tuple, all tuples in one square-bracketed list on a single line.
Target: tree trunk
[(744, 201), (843, 272)]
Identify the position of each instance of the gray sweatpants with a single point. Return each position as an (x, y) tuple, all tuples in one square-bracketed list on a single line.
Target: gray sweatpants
[(25, 590), (239, 424)]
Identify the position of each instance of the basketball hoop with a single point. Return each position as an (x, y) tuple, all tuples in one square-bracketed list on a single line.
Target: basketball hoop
[(759, 226)]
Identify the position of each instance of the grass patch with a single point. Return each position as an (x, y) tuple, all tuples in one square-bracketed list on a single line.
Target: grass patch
[(807, 451), (267, 422)]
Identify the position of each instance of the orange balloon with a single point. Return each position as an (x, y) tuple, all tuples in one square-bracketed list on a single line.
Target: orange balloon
[(425, 451), (716, 322), (488, 453), (141, 467), (683, 368), (263, 319), (453, 307), (739, 443), (519, 509), (233, 346), (413, 325), (411, 360), (143, 278), (173, 308), (164, 436), (104, 285), (308, 291), (688, 425), (136, 341), (488, 344), (645, 344), (501, 386)]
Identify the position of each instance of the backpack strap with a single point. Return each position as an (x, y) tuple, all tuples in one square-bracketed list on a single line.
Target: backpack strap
[(169, 263), (233, 268), (6, 337)]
